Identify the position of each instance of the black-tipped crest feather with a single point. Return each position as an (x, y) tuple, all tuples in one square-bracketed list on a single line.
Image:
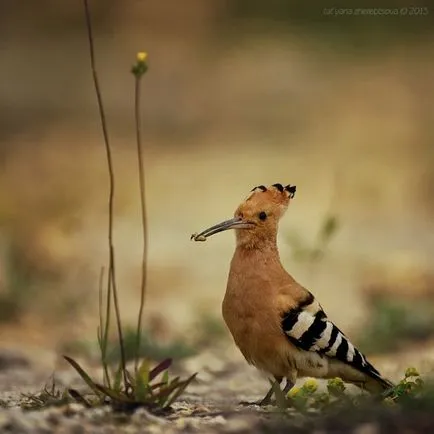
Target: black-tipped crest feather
[(279, 187), (261, 187), (291, 189)]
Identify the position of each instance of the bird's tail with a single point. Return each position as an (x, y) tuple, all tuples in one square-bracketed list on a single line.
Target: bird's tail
[(377, 384)]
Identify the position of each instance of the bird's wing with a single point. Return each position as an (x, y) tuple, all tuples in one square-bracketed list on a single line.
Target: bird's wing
[(306, 325)]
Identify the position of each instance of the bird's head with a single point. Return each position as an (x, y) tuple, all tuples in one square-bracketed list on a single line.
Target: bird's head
[(256, 219)]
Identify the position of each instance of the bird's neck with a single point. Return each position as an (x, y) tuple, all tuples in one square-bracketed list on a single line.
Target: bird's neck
[(265, 250), (257, 242)]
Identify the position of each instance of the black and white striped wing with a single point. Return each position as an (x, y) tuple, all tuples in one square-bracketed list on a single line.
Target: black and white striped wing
[(309, 329)]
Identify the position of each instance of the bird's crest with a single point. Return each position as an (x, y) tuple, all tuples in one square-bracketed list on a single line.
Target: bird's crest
[(275, 192), (256, 218)]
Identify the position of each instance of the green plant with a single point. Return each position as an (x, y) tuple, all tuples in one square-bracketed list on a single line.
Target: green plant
[(410, 386), (140, 389), (407, 407), (308, 398), (138, 70), (125, 389)]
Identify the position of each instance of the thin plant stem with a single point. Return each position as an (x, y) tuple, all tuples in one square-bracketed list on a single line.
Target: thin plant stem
[(102, 330), (143, 212), (107, 319), (111, 281)]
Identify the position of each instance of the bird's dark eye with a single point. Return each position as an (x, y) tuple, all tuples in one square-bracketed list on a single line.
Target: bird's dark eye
[(262, 215)]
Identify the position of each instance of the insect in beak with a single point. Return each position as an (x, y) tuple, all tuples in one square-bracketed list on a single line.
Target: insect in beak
[(235, 223)]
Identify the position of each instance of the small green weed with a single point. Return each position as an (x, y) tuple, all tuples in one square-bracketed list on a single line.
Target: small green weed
[(148, 387), (308, 398), (407, 408)]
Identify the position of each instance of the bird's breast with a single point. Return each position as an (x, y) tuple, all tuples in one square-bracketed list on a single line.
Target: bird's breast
[(254, 325)]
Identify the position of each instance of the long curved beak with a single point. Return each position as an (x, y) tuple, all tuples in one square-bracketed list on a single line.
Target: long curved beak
[(235, 223)]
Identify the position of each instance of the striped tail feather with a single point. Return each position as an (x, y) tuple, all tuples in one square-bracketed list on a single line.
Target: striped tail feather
[(309, 329)]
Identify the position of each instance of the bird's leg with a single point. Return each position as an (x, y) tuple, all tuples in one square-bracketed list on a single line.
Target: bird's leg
[(266, 400), (288, 386)]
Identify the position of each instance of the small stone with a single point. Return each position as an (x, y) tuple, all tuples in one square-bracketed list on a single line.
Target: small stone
[(73, 409), (97, 415), (218, 420), (53, 415)]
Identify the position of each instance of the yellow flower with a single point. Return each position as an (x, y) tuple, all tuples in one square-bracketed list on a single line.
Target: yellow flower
[(336, 386), (293, 392), (310, 385), (142, 56), (411, 372)]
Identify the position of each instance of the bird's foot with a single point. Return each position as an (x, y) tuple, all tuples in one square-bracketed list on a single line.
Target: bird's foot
[(266, 400)]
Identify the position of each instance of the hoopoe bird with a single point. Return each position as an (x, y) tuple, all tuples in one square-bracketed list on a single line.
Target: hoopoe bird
[(278, 324)]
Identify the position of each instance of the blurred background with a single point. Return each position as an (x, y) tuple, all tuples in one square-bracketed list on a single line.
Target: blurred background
[(238, 93)]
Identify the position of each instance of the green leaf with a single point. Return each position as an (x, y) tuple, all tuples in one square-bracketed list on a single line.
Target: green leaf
[(143, 372), (157, 385), (115, 396), (174, 381), (142, 389), (118, 379), (83, 375), (165, 378), (79, 397), (131, 379), (180, 390), (164, 392)]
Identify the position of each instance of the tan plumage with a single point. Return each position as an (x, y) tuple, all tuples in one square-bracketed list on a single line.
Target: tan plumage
[(277, 324)]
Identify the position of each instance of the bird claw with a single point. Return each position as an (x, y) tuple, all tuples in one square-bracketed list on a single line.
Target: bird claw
[(259, 403)]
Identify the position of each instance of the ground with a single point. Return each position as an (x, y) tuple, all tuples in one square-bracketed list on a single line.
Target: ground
[(211, 403)]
